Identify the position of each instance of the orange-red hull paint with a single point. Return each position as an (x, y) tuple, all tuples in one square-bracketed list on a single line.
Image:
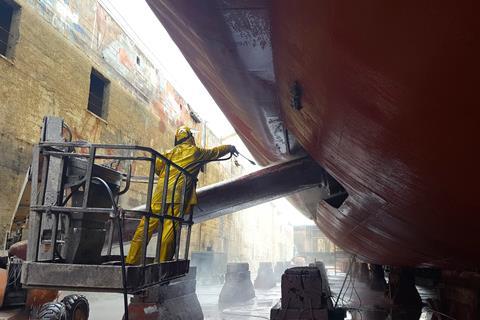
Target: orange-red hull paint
[(390, 108)]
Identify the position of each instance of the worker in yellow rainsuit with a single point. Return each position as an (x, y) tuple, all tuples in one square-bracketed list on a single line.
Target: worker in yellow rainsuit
[(190, 157)]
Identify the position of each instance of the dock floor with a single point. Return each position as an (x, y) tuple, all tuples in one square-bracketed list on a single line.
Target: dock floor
[(370, 305)]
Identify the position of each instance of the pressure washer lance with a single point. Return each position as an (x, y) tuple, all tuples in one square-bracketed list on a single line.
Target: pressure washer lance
[(251, 161)]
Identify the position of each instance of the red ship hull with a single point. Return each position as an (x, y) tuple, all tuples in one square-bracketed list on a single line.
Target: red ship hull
[(389, 108)]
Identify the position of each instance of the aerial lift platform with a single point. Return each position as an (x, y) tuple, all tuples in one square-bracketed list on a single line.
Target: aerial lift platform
[(74, 222), (75, 218)]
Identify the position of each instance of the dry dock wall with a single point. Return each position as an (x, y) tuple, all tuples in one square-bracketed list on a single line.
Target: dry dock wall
[(49, 74)]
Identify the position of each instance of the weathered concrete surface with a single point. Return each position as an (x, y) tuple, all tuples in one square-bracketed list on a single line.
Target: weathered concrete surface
[(109, 306), (265, 277), (50, 75), (238, 286)]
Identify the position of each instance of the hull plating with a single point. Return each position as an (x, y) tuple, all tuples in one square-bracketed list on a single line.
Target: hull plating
[(389, 108)]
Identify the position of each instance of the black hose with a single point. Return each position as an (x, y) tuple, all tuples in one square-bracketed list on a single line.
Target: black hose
[(344, 280), (74, 189), (122, 253)]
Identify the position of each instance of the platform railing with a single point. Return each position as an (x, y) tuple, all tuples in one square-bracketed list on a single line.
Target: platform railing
[(49, 197)]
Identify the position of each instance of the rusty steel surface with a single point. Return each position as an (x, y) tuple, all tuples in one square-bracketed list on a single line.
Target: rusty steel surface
[(388, 103)]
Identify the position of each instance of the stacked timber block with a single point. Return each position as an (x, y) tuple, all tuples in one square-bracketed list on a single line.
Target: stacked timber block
[(360, 271), (238, 286), (323, 273), (306, 295), (265, 276), (177, 300), (402, 287), (377, 278), (302, 295)]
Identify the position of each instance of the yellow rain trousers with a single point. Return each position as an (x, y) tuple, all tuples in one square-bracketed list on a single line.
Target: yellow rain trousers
[(167, 248), (184, 155)]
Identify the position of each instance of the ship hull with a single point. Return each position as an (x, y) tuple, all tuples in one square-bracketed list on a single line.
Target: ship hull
[(386, 102)]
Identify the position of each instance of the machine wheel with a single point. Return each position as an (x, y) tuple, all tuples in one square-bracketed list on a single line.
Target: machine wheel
[(52, 311), (77, 307)]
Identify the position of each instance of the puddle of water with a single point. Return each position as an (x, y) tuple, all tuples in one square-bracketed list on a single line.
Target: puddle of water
[(257, 308)]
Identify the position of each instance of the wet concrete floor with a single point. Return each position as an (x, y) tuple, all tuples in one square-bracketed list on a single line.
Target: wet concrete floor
[(367, 305), (364, 303)]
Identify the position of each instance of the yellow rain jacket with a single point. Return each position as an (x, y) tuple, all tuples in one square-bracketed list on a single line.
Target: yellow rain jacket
[(187, 155)]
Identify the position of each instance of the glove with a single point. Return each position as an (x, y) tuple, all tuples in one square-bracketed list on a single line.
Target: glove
[(233, 150)]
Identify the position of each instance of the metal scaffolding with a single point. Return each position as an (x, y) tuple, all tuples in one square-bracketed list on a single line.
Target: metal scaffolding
[(74, 215)]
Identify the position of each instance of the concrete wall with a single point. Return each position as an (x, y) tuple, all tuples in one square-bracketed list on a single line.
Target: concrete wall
[(58, 46), (50, 75)]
